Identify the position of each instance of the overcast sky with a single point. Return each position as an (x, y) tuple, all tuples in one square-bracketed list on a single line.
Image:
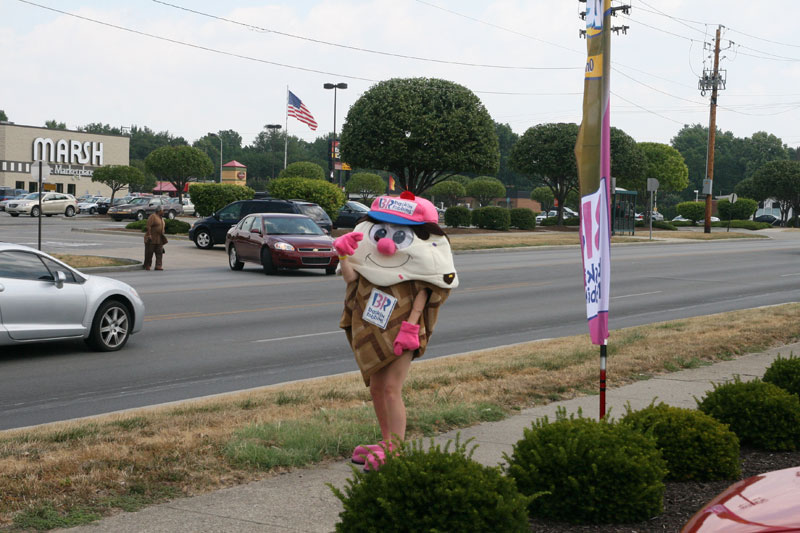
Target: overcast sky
[(235, 72)]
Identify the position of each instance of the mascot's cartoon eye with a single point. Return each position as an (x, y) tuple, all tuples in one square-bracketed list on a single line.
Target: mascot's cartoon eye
[(400, 235)]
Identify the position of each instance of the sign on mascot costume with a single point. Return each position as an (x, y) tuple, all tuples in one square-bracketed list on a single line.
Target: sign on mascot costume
[(399, 270)]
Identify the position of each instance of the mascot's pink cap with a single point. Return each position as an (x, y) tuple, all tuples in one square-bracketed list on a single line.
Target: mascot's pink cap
[(406, 209)]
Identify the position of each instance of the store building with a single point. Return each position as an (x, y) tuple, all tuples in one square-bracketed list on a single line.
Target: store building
[(72, 156)]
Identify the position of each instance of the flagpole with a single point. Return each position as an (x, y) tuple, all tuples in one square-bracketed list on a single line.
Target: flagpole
[(286, 138)]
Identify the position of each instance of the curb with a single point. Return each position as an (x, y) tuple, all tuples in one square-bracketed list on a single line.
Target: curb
[(125, 232)]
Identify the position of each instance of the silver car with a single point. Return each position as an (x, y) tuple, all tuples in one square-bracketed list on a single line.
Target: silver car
[(53, 203), (42, 299)]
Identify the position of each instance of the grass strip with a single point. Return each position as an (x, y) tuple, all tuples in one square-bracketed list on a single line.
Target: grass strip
[(59, 475), (86, 261)]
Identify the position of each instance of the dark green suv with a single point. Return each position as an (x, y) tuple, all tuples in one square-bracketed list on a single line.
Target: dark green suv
[(211, 230)]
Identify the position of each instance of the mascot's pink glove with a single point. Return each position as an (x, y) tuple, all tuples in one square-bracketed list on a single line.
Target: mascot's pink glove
[(407, 338), (347, 243)]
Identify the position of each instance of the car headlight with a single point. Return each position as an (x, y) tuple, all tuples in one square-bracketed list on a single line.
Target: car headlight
[(285, 246)]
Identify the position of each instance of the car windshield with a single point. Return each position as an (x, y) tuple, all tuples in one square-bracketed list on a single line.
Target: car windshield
[(140, 201), (32, 196), (291, 226), (356, 206), (314, 211)]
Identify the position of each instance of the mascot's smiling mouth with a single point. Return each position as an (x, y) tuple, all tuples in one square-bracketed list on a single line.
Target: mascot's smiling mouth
[(370, 259)]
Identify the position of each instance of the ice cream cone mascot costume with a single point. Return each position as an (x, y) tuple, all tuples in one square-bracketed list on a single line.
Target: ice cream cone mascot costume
[(399, 270)]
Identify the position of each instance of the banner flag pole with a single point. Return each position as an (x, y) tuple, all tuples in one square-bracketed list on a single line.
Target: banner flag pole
[(286, 137)]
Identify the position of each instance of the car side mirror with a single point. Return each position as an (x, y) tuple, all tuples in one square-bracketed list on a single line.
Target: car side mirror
[(60, 279)]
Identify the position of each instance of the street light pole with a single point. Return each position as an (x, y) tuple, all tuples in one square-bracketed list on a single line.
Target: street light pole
[(220, 153), (334, 86), (696, 198), (272, 128)]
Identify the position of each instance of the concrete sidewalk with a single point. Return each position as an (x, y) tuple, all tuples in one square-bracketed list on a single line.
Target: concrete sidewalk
[(301, 502)]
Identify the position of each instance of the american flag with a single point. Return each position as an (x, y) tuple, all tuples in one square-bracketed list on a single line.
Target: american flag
[(298, 110)]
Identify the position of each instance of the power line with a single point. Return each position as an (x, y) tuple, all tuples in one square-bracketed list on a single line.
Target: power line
[(647, 110), (763, 39), (679, 20), (356, 48), (655, 88)]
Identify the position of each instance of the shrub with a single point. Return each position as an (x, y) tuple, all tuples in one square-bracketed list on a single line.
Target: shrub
[(457, 217), (761, 414), (303, 169), (695, 446), (572, 221), (327, 195), (742, 209), (432, 490), (485, 189), (523, 218), (785, 373), (591, 472), (171, 227), (449, 192), (210, 197), (694, 211), (492, 217)]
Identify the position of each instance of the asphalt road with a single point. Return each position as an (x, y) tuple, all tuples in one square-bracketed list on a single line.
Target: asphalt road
[(209, 330)]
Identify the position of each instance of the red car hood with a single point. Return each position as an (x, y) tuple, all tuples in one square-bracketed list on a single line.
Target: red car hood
[(766, 503), (305, 241)]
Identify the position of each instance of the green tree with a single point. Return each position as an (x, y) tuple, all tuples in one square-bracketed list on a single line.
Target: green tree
[(231, 143), (118, 177), (178, 165), (144, 141), (729, 158), (747, 189), (149, 182), (421, 130), (544, 196), (761, 148), (506, 140), (55, 125), (694, 211), (459, 178), (100, 128), (780, 180), (664, 163), (303, 169), (448, 192), (3, 116), (323, 193), (485, 189), (546, 154), (628, 162), (366, 185)]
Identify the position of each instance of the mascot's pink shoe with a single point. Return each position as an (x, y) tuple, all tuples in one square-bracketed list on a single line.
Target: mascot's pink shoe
[(361, 452), (374, 460)]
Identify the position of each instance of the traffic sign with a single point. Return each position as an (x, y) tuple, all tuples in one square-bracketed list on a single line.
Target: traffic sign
[(35, 170)]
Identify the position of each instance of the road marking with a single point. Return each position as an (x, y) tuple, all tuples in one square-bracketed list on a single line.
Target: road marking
[(507, 286), (632, 295), (174, 316), (787, 275), (298, 336), (55, 244)]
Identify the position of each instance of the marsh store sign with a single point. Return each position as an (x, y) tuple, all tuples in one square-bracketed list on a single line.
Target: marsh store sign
[(68, 156)]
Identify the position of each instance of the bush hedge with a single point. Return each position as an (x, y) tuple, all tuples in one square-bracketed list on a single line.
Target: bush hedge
[(742, 209), (695, 446), (588, 471), (327, 195), (785, 373), (457, 217), (303, 169), (761, 414), (492, 217), (431, 491), (210, 197), (171, 227), (694, 211), (523, 218)]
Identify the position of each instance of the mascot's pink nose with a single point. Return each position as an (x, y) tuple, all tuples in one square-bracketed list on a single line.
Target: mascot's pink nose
[(387, 246)]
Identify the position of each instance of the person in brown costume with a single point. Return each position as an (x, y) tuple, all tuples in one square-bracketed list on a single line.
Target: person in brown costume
[(154, 239)]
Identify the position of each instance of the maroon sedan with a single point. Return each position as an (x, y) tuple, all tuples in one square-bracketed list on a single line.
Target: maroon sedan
[(278, 240)]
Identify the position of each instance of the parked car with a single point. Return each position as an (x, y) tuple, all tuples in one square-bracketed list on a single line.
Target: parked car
[(142, 207), (4, 202), (279, 240), (53, 203), (188, 207), (9, 193), (349, 214), (315, 213), (211, 230), (769, 219), (568, 213), (680, 218), (104, 204), (767, 502), (45, 300), (656, 216), (88, 205)]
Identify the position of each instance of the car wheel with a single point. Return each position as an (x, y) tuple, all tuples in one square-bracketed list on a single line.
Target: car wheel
[(14, 214), (48, 215), (111, 327), (116, 219), (70, 211), (92, 210), (202, 239), (35, 212), (140, 215), (233, 259), (171, 215), (330, 271), (266, 262)]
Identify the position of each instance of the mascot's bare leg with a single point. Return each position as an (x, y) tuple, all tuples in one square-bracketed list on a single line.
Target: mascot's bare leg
[(386, 388)]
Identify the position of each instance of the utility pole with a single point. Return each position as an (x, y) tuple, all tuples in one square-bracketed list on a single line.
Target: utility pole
[(714, 81)]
